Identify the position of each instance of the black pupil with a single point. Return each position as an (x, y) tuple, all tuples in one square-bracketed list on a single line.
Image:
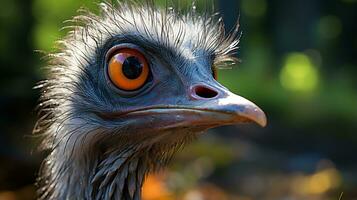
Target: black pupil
[(132, 67)]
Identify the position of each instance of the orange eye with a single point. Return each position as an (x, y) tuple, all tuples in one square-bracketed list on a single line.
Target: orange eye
[(128, 69)]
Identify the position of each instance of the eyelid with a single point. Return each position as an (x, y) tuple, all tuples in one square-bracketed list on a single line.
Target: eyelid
[(117, 47)]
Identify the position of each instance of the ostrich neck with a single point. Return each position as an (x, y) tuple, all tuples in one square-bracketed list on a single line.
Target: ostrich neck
[(90, 165), (116, 174), (119, 176)]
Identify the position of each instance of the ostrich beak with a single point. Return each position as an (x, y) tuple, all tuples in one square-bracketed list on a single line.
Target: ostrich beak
[(234, 109), (206, 108), (200, 113)]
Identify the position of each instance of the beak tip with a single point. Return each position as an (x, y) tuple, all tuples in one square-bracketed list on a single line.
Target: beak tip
[(263, 122), (262, 118), (258, 116)]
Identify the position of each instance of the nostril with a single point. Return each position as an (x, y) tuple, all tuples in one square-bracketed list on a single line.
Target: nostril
[(205, 92)]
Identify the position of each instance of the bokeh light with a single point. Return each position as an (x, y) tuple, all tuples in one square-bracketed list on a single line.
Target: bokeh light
[(299, 74), (318, 183)]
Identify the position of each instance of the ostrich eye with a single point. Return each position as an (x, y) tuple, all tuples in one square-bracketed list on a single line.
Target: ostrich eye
[(128, 69)]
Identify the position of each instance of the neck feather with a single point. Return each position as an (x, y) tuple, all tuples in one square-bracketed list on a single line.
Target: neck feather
[(117, 174), (90, 163)]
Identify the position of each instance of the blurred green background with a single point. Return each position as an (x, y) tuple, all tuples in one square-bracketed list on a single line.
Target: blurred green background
[(298, 64)]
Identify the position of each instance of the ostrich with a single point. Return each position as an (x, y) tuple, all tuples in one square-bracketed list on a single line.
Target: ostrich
[(126, 90)]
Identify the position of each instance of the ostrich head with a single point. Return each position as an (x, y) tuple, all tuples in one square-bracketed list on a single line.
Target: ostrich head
[(125, 91)]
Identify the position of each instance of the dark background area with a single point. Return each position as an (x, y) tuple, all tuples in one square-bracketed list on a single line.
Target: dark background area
[(298, 64)]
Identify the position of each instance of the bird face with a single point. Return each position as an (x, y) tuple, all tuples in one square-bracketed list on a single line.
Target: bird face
[(165, 91)]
